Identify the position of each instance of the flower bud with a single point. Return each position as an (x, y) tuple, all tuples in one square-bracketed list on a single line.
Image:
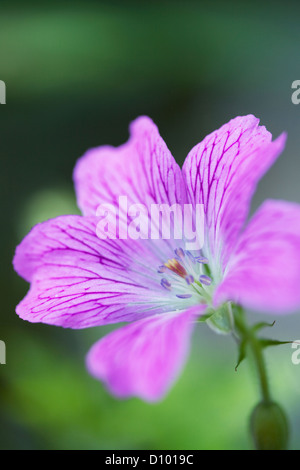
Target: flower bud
[(269, 427)]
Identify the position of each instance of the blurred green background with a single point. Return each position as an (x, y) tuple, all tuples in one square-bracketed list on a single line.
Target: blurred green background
[(77, 73)]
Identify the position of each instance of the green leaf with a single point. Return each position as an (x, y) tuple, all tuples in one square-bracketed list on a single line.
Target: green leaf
[(242, 353), (265, 342), (261, 325)]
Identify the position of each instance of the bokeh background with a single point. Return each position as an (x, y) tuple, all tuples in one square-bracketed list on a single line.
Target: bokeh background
[(77, 73)]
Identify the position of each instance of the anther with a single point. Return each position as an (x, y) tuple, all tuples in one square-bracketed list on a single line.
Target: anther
[(166, 284), (189, 279), (205, 280), (179, 252), (162, 269), (201, 259)]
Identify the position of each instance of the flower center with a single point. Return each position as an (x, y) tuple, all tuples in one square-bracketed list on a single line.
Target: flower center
[(186, 275)]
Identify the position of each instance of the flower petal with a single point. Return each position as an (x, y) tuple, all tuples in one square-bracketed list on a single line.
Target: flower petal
[(222, 173), (79, 280), (264, 272), (144, 359), (142, 169)]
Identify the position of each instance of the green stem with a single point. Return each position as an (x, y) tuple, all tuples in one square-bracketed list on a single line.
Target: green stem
[(268, 423), (248, 335), (261, 368)]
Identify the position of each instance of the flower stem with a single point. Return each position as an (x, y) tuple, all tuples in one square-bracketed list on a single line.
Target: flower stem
[(247, 335), (261, 368), (269, 425)]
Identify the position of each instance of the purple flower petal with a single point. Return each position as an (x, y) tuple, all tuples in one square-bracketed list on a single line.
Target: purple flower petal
[(264, 272), (78, 280), (144, 359), (142, 169), (222, 173)]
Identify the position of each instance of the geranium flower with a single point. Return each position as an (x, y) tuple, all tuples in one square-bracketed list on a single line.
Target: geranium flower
[(160, 287)]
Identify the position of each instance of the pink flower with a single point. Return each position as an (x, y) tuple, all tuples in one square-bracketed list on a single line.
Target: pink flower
[(79, 281)]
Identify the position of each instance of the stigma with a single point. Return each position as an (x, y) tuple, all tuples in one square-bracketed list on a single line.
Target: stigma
[(177, 268)]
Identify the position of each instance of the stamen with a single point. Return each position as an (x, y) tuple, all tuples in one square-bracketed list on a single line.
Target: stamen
[(205, 280), (166, 284), (179, 252), (162, 269), (201, 259), (184, 267), (189, 279), (191, 257)]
